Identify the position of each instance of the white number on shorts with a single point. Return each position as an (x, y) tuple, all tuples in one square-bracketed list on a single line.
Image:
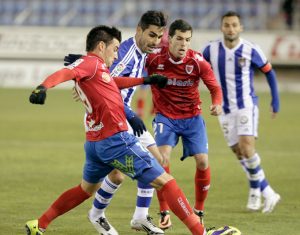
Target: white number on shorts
[(158, 127)]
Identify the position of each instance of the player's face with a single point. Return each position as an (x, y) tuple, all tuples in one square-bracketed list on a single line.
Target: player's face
[(111, 52), (149, 39), (180, 43), (231, 28)]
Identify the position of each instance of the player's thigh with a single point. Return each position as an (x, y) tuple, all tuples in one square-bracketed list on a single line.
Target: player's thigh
[(247, 121), (164, 131), (194, 136), (229, 128), (94, 170), (123, 152)]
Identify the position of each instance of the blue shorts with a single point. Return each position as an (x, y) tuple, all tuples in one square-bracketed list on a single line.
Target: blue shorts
[(121, 151), (192, 131)]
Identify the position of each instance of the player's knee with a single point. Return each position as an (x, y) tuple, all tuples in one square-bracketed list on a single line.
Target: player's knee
[(236, 150), (201, 161), (116, 176), (161, 180), (89, 188)]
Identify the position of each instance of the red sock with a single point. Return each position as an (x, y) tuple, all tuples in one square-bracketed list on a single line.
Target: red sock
[(66, 201), (163, 205), (140, 107), (202, 183), (181, 208)]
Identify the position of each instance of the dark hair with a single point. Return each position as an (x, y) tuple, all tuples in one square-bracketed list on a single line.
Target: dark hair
[(180, 25), (231, 13), (102, 33), (157, 18)]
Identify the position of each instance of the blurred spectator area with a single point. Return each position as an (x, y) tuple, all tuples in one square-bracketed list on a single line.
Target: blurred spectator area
[(204, 14)]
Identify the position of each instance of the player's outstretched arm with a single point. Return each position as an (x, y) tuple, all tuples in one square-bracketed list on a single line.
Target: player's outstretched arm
[(38, 95), (158, 79), (125, 82)]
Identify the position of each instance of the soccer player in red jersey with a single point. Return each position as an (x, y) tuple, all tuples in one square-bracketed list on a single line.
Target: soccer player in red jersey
[(178, 108), (108, 145)]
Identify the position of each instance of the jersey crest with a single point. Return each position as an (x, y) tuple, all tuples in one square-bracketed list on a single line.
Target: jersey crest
[(242, 62), (189, 68)]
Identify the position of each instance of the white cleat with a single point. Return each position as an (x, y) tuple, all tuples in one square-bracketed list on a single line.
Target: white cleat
[(254, 200), (146, 225), (270, 203), (103, 226)]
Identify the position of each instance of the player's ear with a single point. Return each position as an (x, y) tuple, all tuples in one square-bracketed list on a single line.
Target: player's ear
[(101, 46), (139, 30)]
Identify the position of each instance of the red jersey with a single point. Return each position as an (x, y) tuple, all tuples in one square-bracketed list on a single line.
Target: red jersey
[(101, 97), (181, 97)]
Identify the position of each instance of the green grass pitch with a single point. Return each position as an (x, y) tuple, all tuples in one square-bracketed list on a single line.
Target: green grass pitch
[(41, 155)]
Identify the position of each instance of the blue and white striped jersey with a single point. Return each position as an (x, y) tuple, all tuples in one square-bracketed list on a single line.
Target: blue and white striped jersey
[(130, 63), (234, 69)]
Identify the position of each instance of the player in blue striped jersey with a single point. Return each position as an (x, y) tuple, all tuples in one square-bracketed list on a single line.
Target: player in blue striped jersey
[(130, 63), (233, 60)]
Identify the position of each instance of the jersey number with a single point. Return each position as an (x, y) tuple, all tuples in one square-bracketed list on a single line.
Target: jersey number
[(84, 99)]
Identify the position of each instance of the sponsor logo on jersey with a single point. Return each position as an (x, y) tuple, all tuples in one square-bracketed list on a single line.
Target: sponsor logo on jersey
[(106, 77), (189, 68), (75, 64), (176, 82), (92, 127), (161, 67), (242, 61)]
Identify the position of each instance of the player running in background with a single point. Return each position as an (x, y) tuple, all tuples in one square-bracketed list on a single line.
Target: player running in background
[(108, 144), (178, 107), (233, 60), (130, 63)]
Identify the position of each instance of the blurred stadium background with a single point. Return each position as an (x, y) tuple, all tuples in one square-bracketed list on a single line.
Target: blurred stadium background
[(36, 34), (41, 147)]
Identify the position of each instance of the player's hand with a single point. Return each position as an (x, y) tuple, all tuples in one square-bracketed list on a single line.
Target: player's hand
[(38, 96), (215, 110), (137, 125), (273, 113), (158, 79), (71, 58)]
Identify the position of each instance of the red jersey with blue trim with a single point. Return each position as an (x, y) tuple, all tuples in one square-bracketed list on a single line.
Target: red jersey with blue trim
[(105, 114), (181, 97)]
